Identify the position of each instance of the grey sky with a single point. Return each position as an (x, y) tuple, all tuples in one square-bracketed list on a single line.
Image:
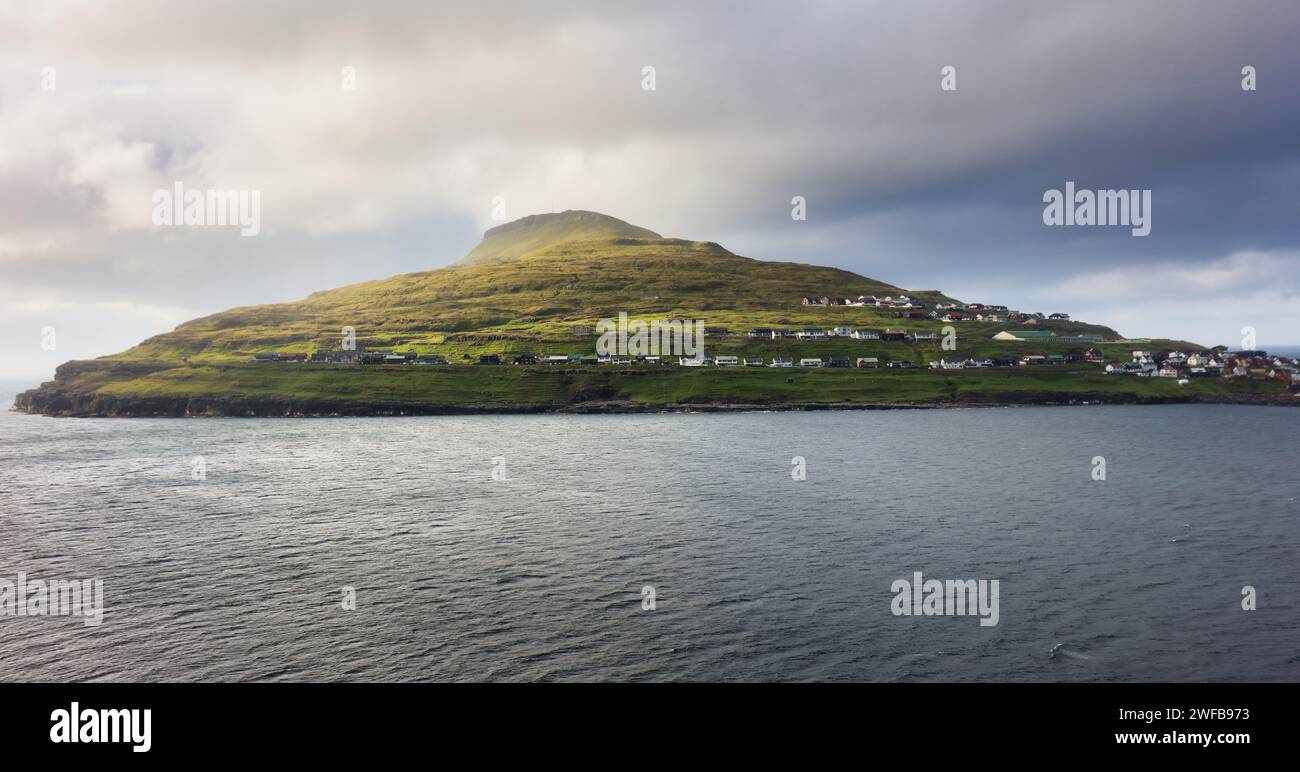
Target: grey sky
[(755, 103)]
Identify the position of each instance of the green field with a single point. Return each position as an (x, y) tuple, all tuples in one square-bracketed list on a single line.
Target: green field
[(663, 385)]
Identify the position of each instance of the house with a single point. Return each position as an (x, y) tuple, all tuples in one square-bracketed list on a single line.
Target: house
[(1062, 317), (979, 363), (726, 361), (694, 361), (868, 362), (948, 364), (489, 359), (924, 336), (1033, 359), (1167, 372), (842, 331), (838, 362), (903, 364), (810, 362), (865, 335), (524, 359), (432, 359), (1055, 359), (557, 359), (394, 358), (812, 301), (782, 362), (760, 332), (893, 333), (1004, 361), (810, 334), (753, 361), (782, 333), (1093, 355), (1020, 336)]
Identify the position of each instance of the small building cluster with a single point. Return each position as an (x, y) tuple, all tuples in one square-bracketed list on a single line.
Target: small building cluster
[(818, 334), (1257, 365)]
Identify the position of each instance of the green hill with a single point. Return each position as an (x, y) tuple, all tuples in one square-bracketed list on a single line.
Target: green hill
[(527, 286), (538, 286)]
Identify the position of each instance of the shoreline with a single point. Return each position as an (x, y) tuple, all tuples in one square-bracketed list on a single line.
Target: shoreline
[(99, 406)]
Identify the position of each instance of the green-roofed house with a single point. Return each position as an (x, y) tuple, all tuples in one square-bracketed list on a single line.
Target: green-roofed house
[(1024, 336)]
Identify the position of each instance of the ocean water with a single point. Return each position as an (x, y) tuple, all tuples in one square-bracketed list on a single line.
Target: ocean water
[(459, 575)]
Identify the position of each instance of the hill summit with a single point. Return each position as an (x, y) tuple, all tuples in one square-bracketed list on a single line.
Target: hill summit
[(540, 231)]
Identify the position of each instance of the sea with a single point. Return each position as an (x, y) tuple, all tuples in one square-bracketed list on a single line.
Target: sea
[(1128, 543)]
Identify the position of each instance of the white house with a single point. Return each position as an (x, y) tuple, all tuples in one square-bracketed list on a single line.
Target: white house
[(726, 361), (865, 335), (782, 362), (810, 362)]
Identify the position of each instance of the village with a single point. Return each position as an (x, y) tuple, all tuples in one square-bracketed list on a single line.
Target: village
[(1174, 364)]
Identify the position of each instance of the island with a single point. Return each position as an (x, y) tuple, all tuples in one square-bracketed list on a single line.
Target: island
[(516, 326)]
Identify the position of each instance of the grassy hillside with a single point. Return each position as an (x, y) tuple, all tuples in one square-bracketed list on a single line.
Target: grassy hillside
[(528, 303), (529, 288)]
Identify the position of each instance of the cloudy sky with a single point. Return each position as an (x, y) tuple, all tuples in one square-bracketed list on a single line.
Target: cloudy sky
[(542, 104)]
